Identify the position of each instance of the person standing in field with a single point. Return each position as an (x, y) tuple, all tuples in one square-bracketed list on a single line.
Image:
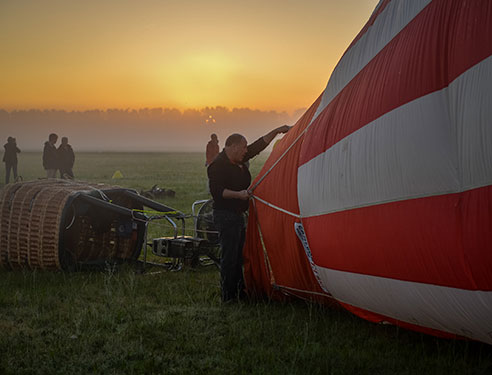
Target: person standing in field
[(212, 149), (50, 156), (66, 159), (10, 158), (229, 179)]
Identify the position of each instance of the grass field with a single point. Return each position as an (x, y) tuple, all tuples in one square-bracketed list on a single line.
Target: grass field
[(122, 322)]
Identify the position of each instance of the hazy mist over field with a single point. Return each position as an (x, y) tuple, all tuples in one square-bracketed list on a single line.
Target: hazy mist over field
[(147, 75), (148, 129)]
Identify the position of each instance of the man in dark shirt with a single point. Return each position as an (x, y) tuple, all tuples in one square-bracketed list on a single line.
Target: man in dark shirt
[(50, 156), (212, 149), (10, 158), (66, 159), (229, 179)]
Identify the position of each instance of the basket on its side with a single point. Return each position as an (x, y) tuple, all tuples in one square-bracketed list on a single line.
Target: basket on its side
[(61, 224)]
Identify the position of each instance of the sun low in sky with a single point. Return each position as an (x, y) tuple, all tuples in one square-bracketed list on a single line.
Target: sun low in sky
[(100, 54)]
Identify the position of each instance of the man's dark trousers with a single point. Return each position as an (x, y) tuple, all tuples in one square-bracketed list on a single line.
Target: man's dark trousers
[(231, 237), (9, 167)]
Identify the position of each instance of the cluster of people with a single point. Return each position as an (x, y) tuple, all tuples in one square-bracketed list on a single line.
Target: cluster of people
[(61, 158)]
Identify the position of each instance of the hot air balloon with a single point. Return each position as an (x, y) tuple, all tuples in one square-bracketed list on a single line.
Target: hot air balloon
[(380, 197)]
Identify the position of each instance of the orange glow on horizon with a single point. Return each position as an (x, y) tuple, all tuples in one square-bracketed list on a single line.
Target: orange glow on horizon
[(78, 56)]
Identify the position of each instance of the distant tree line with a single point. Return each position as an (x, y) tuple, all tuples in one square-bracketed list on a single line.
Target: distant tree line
[(151, 129)]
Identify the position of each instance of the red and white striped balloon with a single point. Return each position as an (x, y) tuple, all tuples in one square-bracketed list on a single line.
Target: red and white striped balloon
[(392, 170)]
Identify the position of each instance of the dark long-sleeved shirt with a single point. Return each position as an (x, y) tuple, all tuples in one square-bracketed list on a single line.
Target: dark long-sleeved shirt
[(211, 152), (223, 174), (10, 155), (50, 156), (66, 157)]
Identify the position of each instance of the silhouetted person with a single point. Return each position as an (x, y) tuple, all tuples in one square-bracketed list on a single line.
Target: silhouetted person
[(229, 179), (212, 149), (50, 156), (66, 159), (10, 158)]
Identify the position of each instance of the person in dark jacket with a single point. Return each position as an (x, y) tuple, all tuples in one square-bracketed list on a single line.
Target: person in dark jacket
[(50, 156), (229, 179), (212, 149), (10, 158), (66, 159)]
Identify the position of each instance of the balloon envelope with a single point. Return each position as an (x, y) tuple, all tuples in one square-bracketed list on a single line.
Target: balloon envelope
[(380, 198)]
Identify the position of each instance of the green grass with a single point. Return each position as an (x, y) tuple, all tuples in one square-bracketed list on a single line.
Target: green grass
[(122, 322)]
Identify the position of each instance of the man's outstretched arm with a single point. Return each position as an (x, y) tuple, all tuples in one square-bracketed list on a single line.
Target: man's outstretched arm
[(280, 130)]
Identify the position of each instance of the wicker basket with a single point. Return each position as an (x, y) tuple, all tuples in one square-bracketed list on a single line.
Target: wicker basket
[(61, 224)]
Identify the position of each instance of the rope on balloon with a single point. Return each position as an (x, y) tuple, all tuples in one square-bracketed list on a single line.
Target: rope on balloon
[(285, 289), (275, 207), (268, 265)]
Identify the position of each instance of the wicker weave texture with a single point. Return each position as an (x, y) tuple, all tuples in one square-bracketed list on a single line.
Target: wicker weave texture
[(30, 223)]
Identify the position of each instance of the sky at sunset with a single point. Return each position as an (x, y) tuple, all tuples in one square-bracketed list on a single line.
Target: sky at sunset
[(269, 57)]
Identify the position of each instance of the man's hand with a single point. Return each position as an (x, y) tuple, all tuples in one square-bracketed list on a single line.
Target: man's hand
[(243, 195), (283, 129), (232, 194)]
